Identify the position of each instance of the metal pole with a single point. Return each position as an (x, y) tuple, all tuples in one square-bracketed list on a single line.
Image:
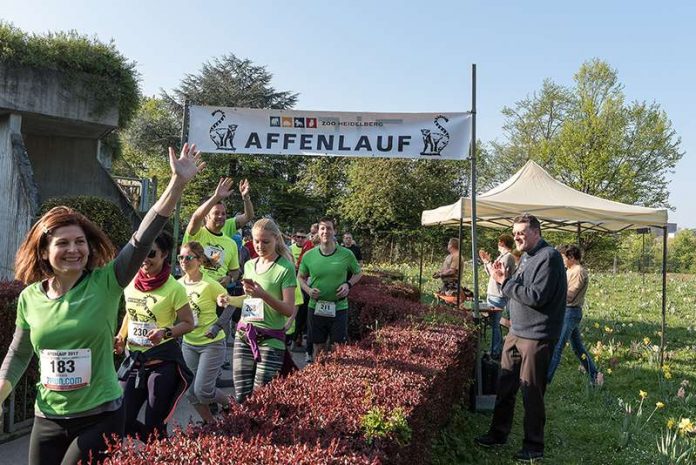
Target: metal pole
[(578, 232), (177, 212), (459, 257), (664, 295), (641, 265), (420, 271), (474, 242)]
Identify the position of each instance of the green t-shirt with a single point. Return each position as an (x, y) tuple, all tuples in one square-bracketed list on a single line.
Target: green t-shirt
[(202, 297), (296, 251), (221, 249), (328, 272), (156, 308), (281, 275), (230, 227), (82, 318)]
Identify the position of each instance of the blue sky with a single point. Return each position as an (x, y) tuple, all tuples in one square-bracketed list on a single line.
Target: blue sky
[(407, 56)]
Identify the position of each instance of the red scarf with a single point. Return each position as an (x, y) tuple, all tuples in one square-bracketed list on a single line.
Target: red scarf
[(145, 283)]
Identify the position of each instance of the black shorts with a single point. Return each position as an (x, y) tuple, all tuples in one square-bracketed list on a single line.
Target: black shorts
[(323, 326)]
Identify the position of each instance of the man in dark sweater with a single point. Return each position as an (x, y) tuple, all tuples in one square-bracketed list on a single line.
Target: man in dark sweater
[(536, 298)]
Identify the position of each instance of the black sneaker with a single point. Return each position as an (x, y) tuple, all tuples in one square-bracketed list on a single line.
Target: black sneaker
[(489, 441), (525, 455)]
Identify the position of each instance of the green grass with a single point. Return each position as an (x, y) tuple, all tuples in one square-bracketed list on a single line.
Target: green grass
[(584, 424)]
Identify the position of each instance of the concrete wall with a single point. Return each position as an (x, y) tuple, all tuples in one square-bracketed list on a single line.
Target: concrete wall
[(49, 146), (59, 100), (19, 199), (68, 166)]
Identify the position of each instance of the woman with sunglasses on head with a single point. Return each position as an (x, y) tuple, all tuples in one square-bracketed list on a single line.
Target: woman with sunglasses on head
[(204, 348), (269, 285), (66, 316), (154, 373)]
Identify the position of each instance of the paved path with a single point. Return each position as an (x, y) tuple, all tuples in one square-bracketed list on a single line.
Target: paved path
[(16, 452)]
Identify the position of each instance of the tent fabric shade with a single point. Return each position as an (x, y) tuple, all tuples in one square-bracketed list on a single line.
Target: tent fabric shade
[(558, 207)]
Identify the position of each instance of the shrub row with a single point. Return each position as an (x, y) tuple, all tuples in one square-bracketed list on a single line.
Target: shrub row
[(374, 303), (25, 393), (343, 409)]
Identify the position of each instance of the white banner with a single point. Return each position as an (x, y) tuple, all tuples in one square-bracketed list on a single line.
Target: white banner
[(442, 136)]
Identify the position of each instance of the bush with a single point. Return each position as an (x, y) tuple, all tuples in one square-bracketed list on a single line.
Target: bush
[(374, 303), (25, 393), (110, 79), (105, 214), (410, 373)]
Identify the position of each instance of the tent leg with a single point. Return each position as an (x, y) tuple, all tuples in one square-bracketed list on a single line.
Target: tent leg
[(420, 271), (664, 295)]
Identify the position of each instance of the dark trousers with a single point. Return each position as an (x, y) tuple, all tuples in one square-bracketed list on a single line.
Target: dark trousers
[(157, 387), (524, 363), (301, 319), (55, 441)]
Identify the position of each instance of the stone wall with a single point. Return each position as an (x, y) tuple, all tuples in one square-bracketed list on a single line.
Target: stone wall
[(19, 195)]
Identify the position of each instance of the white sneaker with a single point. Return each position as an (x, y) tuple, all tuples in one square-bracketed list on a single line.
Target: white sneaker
[(308, 358)]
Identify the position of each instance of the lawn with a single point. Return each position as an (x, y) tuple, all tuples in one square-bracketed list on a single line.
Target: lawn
[(589, 425)]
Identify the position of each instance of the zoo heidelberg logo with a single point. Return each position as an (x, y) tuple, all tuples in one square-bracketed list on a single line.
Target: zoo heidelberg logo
[(434, 139)]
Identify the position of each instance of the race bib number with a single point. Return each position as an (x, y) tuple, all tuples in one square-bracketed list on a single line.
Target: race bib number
[(325, 308), (66, 370), (137, 332), (195, 319), (252, 309)]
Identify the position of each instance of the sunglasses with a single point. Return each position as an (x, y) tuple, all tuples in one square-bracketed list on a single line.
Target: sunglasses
[(152, 254), (186, 258)]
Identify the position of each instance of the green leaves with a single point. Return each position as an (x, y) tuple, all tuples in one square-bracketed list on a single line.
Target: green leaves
[(109, 78), (591, 139)]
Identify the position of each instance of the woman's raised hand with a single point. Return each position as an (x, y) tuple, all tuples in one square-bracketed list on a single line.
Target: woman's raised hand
[(187, 164)]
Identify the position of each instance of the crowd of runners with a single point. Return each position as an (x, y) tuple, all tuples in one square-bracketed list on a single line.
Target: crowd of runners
[(257, 293)]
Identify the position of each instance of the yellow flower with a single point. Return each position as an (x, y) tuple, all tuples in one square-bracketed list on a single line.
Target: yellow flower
[(646, 340), (608, 330), (596, 325), (660, 405), (685, 425), (583, 356), (668, 375), (642, 394), (609, 371), (670, 423)]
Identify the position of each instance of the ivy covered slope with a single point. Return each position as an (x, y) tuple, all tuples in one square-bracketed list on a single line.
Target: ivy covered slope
[(108, 76)]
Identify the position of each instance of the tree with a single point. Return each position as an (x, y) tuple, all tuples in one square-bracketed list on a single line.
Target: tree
[(225, 81), (681, 252), (589, 138)]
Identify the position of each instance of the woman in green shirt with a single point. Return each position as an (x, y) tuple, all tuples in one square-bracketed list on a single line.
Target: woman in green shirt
[(269, 285), (66, 316), (204, 348)]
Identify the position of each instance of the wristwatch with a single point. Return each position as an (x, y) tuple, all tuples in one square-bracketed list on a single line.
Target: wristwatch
[(168, 333)]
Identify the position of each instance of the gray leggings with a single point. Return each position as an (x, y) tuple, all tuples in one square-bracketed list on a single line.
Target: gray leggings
[(249, 375), (205, 362)]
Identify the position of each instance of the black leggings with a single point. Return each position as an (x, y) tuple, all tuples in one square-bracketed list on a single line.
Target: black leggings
[(55, 441), (158, 388)]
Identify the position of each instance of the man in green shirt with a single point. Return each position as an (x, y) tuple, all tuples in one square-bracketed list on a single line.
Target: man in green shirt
[(206, 226), (327, 267)]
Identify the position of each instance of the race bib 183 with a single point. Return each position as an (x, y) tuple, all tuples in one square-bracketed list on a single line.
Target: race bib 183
[(65, 370)]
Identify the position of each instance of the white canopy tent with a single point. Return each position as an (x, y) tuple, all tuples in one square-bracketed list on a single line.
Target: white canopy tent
[(557, 206)]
